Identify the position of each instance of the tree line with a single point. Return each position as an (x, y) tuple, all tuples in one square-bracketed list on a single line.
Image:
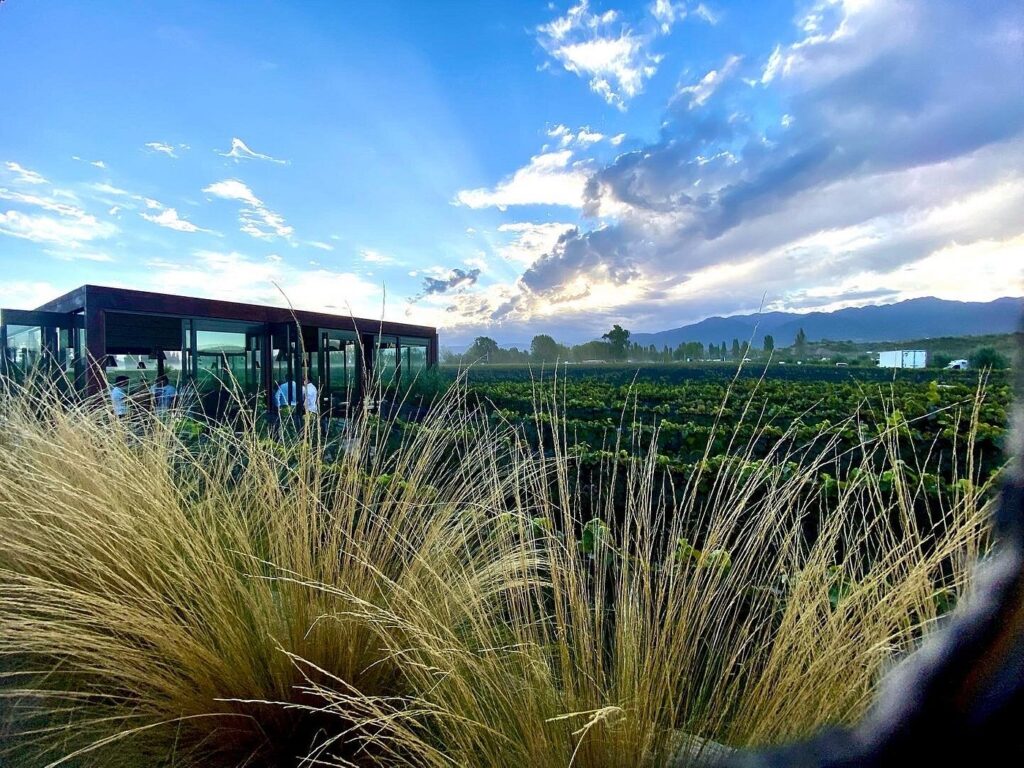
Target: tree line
[(613, 346), (616, 346)]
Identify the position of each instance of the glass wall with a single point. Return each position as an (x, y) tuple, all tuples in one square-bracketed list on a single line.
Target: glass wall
[(414, 357), (24, 350), (385, 361), (340, 352)]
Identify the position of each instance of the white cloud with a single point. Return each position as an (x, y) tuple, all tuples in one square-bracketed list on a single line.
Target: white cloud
[(668, 13), (617, 139), (46, 203), (236, 276), (239, 151), (256, 219), (700, 92), (321, 245), (548, 179), (108, 189), (376, 257), (46, 219), (773, 66), (233, 189), (66, 231), (98, 164), (530, 240), (705, 13), (165, 149), (169, 218), (582, 137), (24, 175), (27, 293), (615, 60)]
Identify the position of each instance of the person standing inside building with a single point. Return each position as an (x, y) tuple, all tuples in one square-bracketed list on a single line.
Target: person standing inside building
[(311, 403), (163, 395), (284, 397), (119, 396)]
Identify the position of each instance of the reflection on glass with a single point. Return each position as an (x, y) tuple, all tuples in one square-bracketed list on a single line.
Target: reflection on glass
[(414, 358), (24, 350), (340, 355), (385, 363), (223, 359)]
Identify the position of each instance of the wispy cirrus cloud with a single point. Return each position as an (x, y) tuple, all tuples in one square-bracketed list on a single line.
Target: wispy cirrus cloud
[(171, 150), (700, 92), (256, 219), (240, 151), (24, 175), (169, 219), (70, 230), (46, 217), (614, 57)]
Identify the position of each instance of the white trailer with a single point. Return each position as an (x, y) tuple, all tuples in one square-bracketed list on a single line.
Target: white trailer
[(903, 358)]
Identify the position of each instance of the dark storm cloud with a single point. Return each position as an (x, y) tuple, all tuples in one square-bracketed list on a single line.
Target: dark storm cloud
[(457, 278), (895, 109)]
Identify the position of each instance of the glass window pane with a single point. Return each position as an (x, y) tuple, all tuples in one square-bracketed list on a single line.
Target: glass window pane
[(24, 350)]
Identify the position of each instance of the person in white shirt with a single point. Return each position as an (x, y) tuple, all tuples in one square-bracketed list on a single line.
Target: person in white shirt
[(119, 396), (163, 394), (285, 395), (310, 396)]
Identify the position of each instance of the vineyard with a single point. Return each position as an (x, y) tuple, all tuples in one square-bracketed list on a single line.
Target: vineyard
[(947, 426)]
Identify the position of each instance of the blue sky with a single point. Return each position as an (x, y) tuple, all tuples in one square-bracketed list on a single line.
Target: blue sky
[(512, 168)]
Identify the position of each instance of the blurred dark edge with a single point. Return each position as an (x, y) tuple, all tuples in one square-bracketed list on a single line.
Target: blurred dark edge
[(959, 700)]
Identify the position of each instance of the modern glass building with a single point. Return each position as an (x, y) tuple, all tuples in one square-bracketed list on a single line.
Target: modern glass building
[(90, 336)]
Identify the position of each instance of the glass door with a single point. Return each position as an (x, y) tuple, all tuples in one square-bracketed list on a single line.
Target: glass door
[(339, 353)]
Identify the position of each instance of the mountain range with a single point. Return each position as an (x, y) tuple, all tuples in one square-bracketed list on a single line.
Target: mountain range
[(926, 317)]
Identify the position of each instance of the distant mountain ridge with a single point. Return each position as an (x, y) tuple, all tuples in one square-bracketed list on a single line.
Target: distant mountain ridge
[(912, 319)]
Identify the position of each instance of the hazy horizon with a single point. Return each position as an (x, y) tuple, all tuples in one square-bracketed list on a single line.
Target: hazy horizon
[(518, 168)]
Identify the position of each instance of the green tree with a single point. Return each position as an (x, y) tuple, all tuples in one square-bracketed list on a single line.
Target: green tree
[(989, 357), (939, 360), (800, 344), (484, 349), (544, 349), (618, 339), (735, 349), (769, 343), (722, 350)]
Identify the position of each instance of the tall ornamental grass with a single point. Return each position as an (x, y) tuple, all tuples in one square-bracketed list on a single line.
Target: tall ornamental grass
[(439, 599)]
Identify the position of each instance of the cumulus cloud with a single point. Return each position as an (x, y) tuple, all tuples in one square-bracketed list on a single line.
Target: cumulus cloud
[(239, 151), (530, 240), (889, 155), (550, 178), (256, 219)]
